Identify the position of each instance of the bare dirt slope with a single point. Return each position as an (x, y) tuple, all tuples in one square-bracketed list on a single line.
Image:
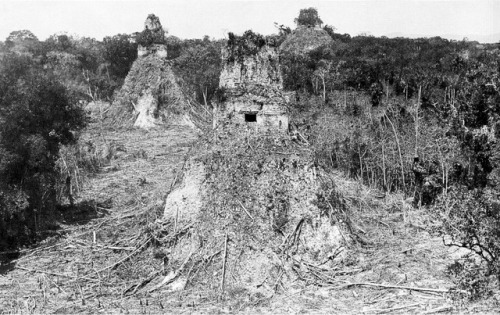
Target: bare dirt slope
[(104, 259)]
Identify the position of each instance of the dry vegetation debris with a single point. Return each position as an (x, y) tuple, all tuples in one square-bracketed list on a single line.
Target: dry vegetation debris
[(119, 253)]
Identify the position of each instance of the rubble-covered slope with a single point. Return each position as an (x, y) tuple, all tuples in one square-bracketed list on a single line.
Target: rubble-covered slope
[(259, 207), (151, 89)]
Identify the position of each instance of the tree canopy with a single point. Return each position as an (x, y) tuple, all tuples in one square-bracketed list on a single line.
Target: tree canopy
[(37, 117)]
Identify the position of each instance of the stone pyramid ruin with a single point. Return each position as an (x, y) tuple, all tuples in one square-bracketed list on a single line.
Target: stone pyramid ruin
[(151, 90), (252, 213)]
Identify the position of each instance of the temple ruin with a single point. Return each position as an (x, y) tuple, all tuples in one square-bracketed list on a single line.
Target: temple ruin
[(151, 89), (253, 90)]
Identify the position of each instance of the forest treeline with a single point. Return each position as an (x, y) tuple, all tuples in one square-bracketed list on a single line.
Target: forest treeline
[(418, 116)]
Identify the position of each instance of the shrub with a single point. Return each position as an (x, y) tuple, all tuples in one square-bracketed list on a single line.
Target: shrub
[(472, 220), (471, 277)]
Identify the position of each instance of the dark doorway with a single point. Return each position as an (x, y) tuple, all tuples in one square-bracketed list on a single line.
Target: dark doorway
[(250, 117)]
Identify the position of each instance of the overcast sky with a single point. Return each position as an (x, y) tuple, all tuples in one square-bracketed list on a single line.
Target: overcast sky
[(475, 19)]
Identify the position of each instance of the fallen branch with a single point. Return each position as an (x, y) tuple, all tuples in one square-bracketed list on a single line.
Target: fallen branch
[(141, 284), (303, 138), (116, 247), (126, 258), (397, 308), (440, 309), (386, 286), (293, 238), (224, 267), (246, 211), (172, 275), (55, 274)]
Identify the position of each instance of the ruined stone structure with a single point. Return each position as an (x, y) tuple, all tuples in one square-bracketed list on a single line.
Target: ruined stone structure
[(254, 96), (151, 88), (153, 32), (159, 50), (305, 39)]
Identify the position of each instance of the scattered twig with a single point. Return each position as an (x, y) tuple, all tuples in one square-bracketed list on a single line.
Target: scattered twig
[(386, 286), (440, 309), (303, 138), (398, 308), (116, 247), (172, 275), (384, 224), (246, 211), (141, 284), (293, 236), (55, 274), (137, 250), (223, 280)]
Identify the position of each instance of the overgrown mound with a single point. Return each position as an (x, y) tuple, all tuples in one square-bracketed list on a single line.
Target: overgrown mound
[(152, 90), (254, 214), (305, 39)]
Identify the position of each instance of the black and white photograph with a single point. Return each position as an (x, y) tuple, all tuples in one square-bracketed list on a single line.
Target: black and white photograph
[(250, 157)]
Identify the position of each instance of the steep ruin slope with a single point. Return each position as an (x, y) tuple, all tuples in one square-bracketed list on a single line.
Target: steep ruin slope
[(152, 90), (258, 206)]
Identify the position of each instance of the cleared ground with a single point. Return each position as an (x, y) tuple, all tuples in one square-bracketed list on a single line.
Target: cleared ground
[(104, 258)]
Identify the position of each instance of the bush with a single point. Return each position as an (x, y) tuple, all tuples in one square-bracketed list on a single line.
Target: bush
[(472, 220), (471, 277)]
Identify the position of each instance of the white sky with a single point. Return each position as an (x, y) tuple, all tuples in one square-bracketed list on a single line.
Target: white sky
[(475, 19)]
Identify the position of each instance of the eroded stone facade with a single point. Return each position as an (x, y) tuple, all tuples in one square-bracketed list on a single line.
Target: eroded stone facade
[(254, 93)]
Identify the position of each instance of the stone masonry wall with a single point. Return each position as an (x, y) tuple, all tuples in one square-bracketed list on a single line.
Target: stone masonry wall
[(262, 68), (253, 86)]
